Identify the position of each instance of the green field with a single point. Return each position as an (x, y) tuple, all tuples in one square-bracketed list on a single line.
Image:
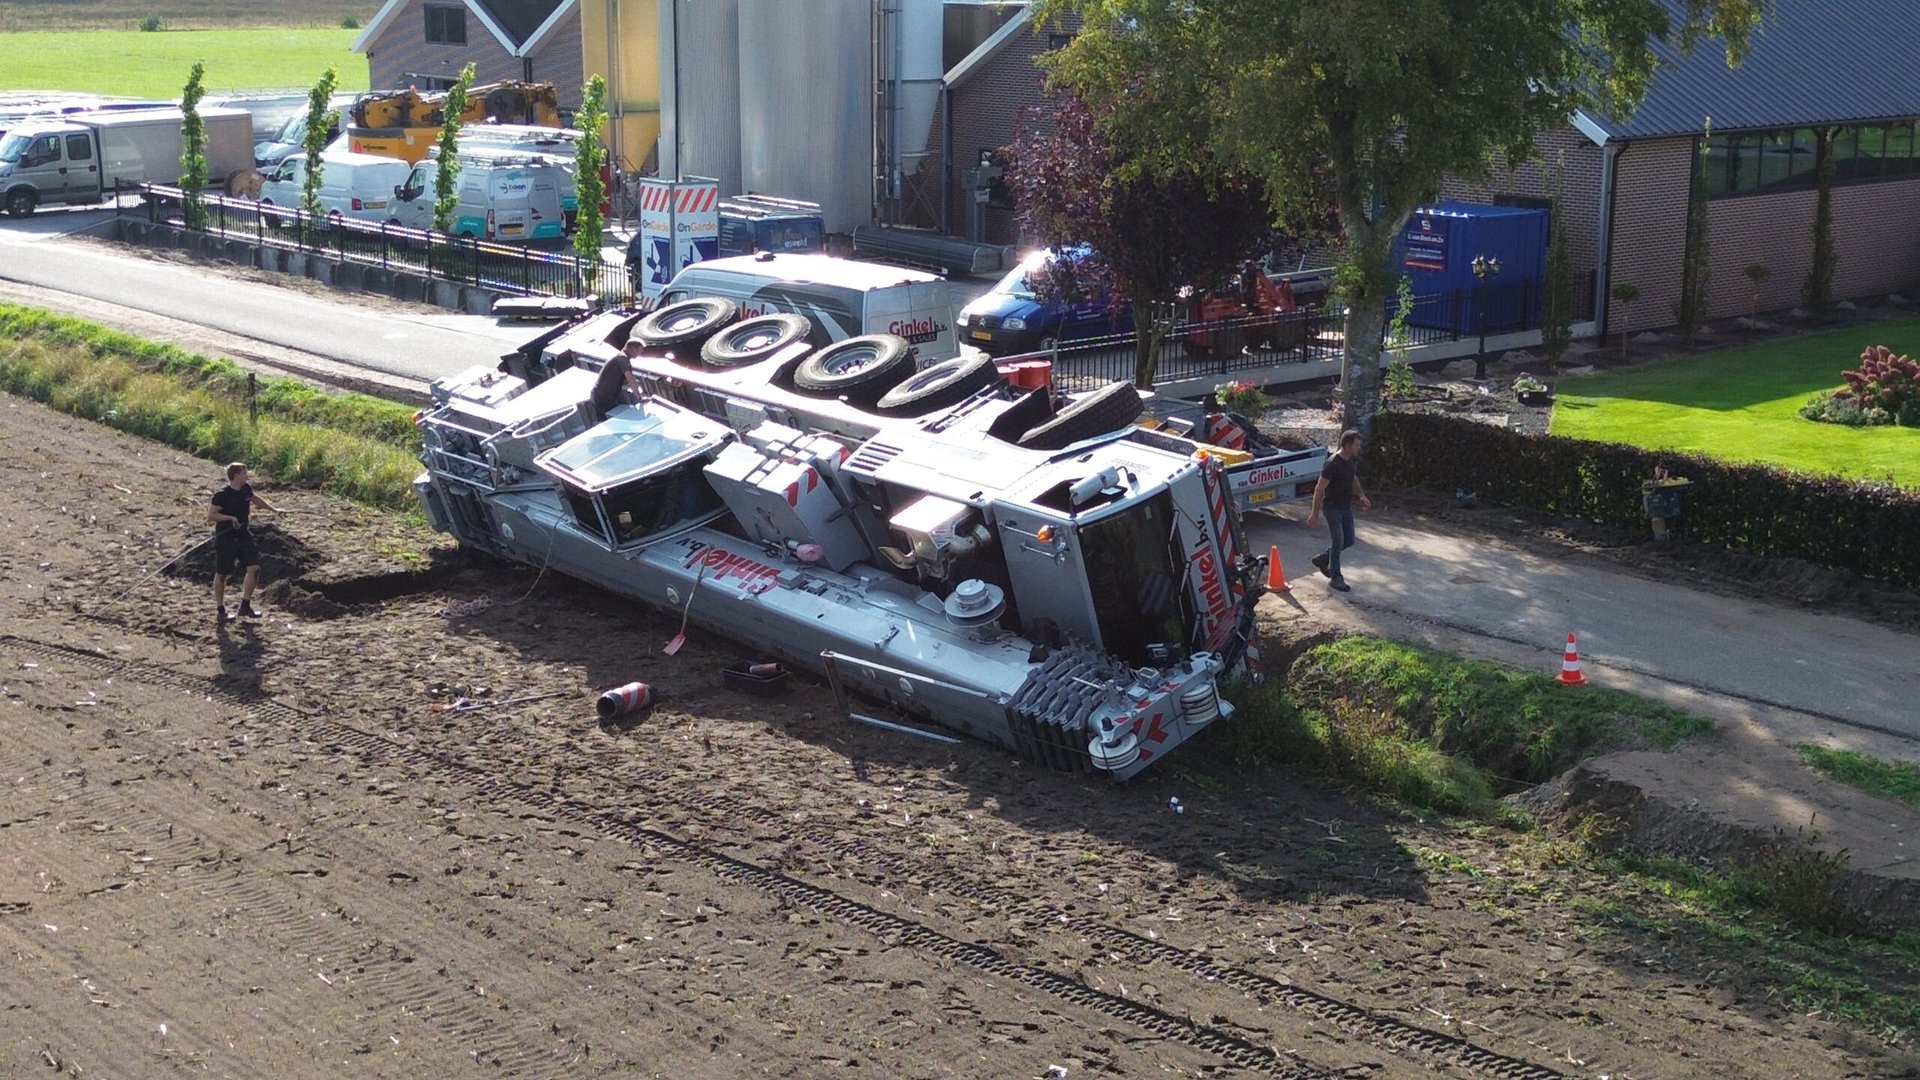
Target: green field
[(180, 14), (1743, 405), (137, 64)]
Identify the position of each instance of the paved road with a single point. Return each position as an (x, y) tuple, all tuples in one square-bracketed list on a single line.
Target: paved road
[(40, 259), (1504, 603), (1462, 594)]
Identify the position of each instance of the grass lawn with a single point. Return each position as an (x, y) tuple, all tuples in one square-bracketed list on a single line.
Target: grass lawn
[(1743, 405), (144, 65), (180, 14)]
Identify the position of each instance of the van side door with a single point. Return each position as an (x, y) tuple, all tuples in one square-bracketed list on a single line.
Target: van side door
[(83, 168)]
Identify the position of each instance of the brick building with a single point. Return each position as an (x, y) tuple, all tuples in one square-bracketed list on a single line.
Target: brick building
[(1822, 77), (425, 44)]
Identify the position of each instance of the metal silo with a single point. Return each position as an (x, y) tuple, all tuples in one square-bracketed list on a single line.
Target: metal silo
[(700, 84), (806, 104)]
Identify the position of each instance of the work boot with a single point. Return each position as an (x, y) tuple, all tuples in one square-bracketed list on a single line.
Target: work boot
[(247, 612), (1339, 584), (1320, 563)]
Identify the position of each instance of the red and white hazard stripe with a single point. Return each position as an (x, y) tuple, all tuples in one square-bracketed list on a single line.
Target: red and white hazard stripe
[(794, 490), (1223, 431), (1222, 523), (683, 200)]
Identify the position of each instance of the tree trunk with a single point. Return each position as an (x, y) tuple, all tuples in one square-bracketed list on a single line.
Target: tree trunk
[(1151, 325), (1360, 362)]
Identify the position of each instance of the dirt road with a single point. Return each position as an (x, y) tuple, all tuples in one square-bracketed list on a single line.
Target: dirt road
[(260, 852)]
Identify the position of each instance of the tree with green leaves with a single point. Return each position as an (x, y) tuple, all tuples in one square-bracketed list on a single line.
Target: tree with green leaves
[(1696, 264), (1817, 293), (1147, 234), (319, 116), (589, 156), (193, 143), (1386, 97), (1556, 298), (446, 177)]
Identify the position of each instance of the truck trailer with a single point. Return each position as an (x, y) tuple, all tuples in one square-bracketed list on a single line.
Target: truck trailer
[(81, 159)]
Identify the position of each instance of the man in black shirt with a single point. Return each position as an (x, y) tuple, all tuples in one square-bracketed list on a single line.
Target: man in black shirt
[(1339, 485), (233, 543)]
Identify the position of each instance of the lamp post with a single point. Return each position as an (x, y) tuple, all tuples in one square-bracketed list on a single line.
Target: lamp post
[(1485, 269)]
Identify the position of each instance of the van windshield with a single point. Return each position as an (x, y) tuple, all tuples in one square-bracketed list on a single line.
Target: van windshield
[(293, 131), (12, 147), (1016, 284)]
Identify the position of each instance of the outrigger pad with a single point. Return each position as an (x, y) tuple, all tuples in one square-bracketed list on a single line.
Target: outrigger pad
[(544, 308)]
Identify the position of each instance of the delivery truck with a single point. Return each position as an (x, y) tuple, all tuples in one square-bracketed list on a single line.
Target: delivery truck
[(80, 159)]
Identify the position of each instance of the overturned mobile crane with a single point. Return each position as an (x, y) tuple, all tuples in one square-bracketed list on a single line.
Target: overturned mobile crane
[(1062, 583)]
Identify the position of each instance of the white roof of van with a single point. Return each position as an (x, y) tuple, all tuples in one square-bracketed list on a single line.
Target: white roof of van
[(331, 156), (817, 268)]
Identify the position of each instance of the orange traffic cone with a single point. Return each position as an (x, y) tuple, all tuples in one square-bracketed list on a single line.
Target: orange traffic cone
[(1276, 577), (1570, 665)]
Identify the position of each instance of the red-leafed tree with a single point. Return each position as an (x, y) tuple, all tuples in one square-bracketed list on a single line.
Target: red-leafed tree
[(1148, 233)]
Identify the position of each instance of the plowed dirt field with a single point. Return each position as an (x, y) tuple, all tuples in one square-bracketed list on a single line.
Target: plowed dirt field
[(260, 851)]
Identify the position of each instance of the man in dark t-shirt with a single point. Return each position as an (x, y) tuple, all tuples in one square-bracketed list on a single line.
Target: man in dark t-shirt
[(1338, 487), (233, 543)]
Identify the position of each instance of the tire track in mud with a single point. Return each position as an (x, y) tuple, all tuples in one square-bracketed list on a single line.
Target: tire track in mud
[(1389, 1034), (1233, 1050), (198, 856)]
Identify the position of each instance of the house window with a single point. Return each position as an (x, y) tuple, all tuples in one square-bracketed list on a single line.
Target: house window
[(1786, 159), (420, 80), (446, 25)]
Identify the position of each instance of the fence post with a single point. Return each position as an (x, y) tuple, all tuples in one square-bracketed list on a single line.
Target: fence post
[(253, 401)]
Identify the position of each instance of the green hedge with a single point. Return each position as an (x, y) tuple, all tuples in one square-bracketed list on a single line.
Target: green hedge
[(1870, 528)]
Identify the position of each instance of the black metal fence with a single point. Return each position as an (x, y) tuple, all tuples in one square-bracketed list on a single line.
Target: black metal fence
[(522, 269), (1194, 349)]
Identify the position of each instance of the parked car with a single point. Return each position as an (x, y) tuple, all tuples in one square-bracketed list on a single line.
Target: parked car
[(1013, 317)]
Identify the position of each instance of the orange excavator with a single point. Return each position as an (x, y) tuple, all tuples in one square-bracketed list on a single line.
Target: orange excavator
[(406, 123)]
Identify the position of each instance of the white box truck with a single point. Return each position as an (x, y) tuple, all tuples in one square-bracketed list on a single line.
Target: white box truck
[(79, 159), (843, 297)]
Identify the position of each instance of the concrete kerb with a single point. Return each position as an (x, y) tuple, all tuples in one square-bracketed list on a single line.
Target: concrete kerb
[(408, 287)]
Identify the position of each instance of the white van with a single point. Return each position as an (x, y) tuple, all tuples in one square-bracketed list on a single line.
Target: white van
[(843, 297), (555, 146), (357, 186), (507, 198)]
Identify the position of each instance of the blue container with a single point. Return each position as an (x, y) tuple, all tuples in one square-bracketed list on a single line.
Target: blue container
[(1437, 248), (755, 223)]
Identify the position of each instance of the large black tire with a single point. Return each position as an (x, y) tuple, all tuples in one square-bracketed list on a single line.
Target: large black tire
[(1109, 408), (686, 324), (936, 387), (859, 369), (20, 202), (750, 341)]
